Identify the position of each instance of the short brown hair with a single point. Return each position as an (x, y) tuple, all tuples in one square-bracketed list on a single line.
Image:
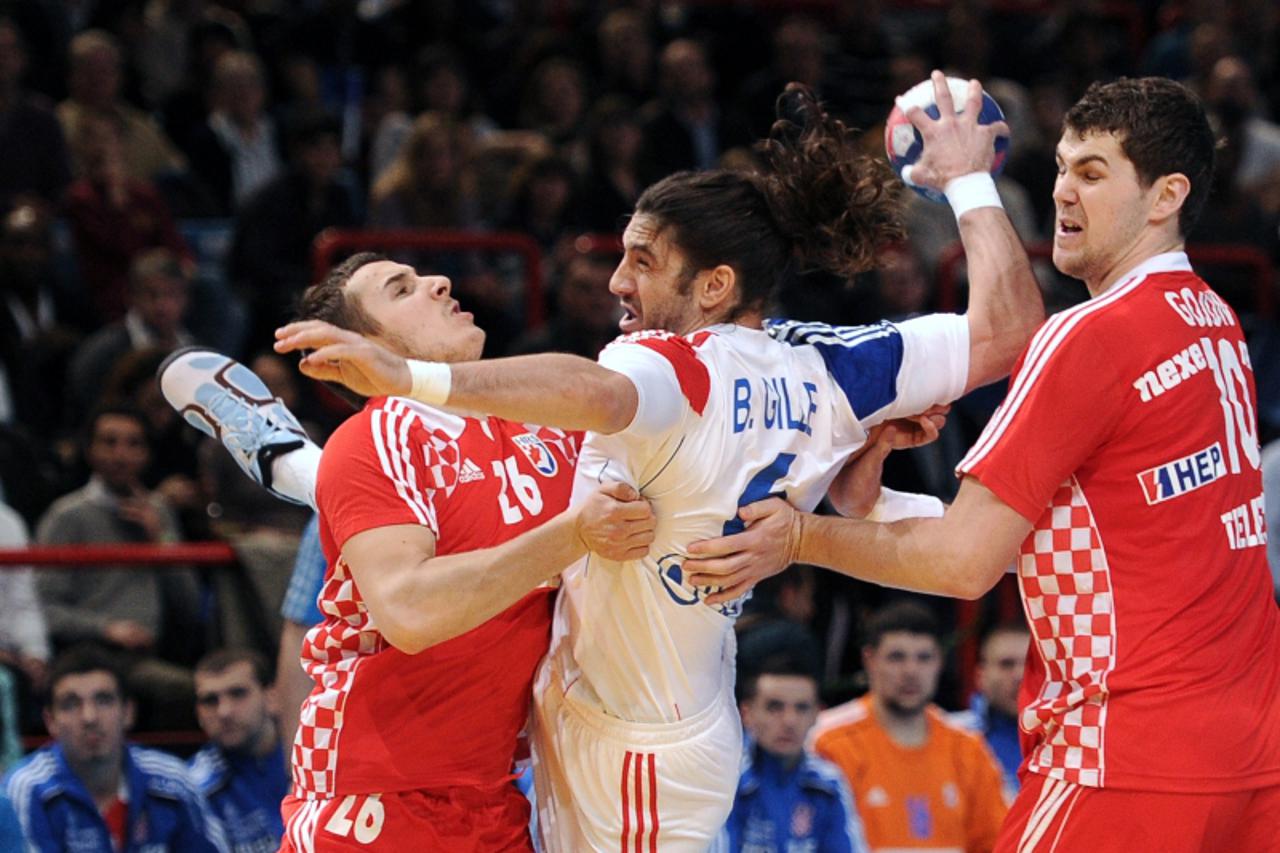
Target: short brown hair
[(329, 301), (1162, 129), (221, 660)]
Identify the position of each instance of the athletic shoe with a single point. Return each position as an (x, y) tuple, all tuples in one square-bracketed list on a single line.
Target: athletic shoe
[(226, 400)]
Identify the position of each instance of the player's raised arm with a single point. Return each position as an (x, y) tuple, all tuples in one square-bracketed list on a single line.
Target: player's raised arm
[(1005, 305), (554, 389)]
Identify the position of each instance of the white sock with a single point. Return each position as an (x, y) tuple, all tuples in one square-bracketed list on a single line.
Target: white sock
[(294, 474)]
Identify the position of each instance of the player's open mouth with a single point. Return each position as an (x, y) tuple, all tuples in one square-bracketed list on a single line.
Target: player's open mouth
[(1067, 227), (630, 321)]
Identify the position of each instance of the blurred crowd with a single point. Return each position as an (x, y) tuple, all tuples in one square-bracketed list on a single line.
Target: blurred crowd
[(165, 166)]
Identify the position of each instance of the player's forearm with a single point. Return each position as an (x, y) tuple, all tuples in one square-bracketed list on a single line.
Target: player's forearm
[(552, 389), (445, 596), (1005, 305), (919, 554)]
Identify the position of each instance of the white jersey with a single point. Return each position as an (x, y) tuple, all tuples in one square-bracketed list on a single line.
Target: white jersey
[(727, 416)]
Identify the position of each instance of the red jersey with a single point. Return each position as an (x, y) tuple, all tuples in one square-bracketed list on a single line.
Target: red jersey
[(380, 720), (1129, 439)]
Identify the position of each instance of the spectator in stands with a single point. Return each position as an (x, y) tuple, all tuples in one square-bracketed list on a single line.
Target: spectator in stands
[(1232, 99), (237, 150), (94, 81), (34, 163), (385, 120), (612, 182), (993, 710), (919, 780), (270, 257), (541, 200), (624, 55), (10, 829), (36, 322), (159, 285), (91, 790), (173, 467), (24, 636), (114, 217), (799, 54), (685, 128), (126, 607), (427, 184), (555, 101), (242, 772), (184, 112), (585, 317), (788, 798), (445, 87)]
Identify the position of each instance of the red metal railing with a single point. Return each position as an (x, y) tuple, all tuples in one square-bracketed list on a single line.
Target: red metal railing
[(91, 557), (333, 242)]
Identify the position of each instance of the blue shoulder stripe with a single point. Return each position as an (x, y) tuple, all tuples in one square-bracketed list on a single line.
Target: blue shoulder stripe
[(863, 360)]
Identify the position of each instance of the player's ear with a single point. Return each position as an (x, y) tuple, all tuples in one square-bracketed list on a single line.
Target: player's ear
[(716, 290), (1171, 192)]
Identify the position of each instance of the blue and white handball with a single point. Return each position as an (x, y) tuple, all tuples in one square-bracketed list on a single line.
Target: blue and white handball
[(902, 141)]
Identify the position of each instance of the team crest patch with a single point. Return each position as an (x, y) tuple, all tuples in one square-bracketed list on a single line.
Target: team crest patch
[(537, 454), (802, 821)]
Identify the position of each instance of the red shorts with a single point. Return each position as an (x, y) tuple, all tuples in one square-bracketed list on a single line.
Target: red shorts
[(1050, 816), (461, 819)]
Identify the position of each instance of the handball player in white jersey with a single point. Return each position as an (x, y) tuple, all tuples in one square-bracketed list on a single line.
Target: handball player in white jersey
[(705, 407)]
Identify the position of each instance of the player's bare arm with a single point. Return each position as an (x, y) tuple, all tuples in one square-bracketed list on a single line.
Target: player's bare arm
[(855, 490), (962, 554), (1005, 306), (555, 389), (418, 599)]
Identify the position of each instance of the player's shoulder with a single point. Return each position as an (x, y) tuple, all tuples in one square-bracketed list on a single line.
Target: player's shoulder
[(165, 774), (842, 723), (808, 332), (952, 728), (391, 420)]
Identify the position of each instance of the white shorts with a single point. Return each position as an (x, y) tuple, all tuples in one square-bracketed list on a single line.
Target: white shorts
[(604, 784)]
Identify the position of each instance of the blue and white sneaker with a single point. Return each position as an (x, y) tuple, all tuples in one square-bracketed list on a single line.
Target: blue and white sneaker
[(226, 400)]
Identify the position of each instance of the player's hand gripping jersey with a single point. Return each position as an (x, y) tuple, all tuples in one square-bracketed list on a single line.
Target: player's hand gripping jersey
[(727, 416), (1129, 438), (380, 720)]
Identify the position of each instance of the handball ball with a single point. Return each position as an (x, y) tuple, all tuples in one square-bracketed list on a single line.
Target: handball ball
[(902, 141)]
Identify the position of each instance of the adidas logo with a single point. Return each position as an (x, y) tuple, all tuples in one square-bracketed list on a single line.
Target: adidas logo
[(470, 472)]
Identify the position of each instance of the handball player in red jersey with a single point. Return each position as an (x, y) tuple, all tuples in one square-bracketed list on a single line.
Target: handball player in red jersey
[(441, 531), (1122, 473)]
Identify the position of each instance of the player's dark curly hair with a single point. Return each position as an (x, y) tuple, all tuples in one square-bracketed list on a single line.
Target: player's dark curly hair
[(817, 201), (1162, 128)]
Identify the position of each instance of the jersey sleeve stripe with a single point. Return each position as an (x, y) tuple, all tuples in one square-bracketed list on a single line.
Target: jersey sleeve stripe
[(691, 373), (383, 424), (1043, 345)]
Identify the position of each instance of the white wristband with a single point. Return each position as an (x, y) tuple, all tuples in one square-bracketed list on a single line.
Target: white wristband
[(431, 381), (974, 190), (895, 506)]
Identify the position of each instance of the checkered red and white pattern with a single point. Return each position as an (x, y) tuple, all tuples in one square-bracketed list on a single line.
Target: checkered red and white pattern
[(1066, 585), (331, 652)]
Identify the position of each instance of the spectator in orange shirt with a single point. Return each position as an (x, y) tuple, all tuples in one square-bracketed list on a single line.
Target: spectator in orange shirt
[(920, 781)]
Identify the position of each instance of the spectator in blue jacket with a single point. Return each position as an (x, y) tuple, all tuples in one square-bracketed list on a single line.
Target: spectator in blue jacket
[(788, 799), (993, 710), (242, 772), (91, 791)]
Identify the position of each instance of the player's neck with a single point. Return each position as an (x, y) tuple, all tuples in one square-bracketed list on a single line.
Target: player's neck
[(1150, 244), (908, 729)]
